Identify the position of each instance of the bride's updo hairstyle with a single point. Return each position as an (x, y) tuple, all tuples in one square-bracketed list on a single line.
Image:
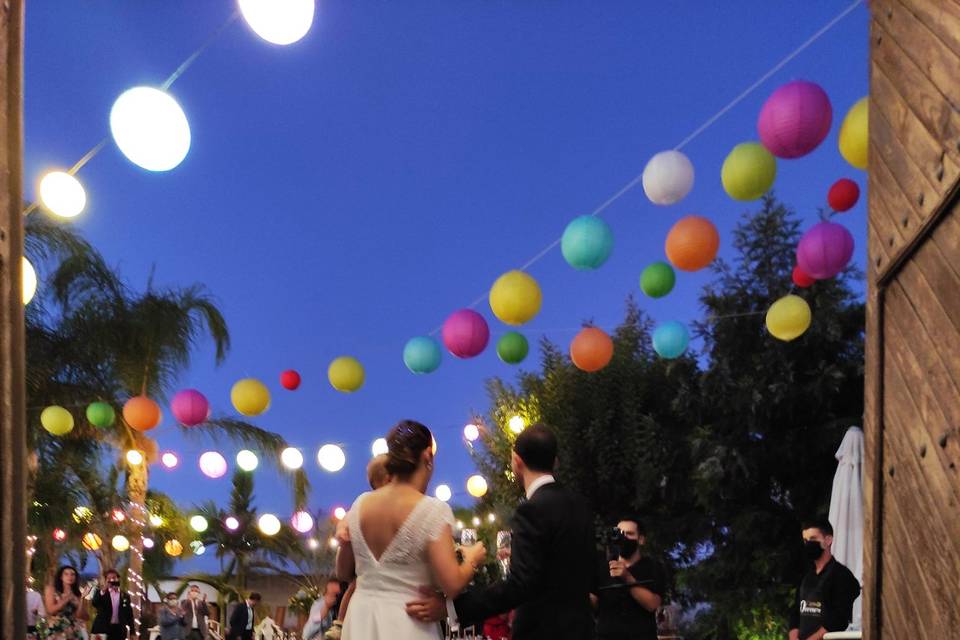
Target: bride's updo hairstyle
[(406, 442)]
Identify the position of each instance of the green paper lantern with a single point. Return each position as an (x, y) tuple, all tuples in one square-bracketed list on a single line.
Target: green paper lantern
[(512, 347), (657, 279), (748, 172), (101, 414)]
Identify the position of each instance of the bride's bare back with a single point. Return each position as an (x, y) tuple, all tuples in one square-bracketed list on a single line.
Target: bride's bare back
[(384, 513)]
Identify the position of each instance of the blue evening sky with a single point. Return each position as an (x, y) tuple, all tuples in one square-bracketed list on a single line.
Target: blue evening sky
[(346, 193)]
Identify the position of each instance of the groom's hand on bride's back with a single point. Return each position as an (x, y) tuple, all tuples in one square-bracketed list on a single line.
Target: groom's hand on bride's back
[(430, 607)]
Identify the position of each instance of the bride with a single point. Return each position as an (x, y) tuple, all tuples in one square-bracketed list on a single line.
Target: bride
[(398, 541)]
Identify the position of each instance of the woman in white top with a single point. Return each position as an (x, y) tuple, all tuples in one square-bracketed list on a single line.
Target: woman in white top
[(399, 541)]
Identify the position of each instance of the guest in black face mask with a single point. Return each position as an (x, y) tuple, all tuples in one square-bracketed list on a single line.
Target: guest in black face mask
[(630, 587), (824, 600)]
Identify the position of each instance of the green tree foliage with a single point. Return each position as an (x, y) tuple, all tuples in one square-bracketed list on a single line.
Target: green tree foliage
[(721, 452)]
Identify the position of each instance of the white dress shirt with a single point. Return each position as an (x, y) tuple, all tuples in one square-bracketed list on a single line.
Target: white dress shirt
[(539, 482)]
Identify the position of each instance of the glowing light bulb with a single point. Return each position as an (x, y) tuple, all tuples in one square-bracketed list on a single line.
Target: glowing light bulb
[(291, 458), (120, 543), (302, 522), (59, 535), (443, 493), (333, 543), (150, 128), (477, 486), (134, 457), (118, 515), (339, 513), (313, 543), (169, 460), (492, 517), (198, 523), (379, 447), (459, 525), (231, 523), (82, 514), (331, 458), (29, 280), (148, 543), (476, 521), (197, 547), (247, 460), (278, 21), (156, 520), (471, 432), (213, 464), (269, 524), (517, 424), (91, 541), (62, 194)]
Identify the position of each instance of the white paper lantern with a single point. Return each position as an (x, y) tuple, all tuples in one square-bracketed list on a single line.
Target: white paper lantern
[(379, 447), (278, 21), (269, 524), (150, 128), (331, 458), (62, 194), (477, 486), (247, 460), (443, 493), (668, 177), (291, 458)]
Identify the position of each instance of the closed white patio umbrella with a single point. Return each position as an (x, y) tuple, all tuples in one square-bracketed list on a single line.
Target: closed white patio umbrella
[(846, 510)]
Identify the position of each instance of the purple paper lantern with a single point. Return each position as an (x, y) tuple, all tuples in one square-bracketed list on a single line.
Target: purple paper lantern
[(824, 250), (465, 333), (190, 407), (795, 119)]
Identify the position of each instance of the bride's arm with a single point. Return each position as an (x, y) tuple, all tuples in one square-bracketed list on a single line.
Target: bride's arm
[(346, 565), (451, 576)]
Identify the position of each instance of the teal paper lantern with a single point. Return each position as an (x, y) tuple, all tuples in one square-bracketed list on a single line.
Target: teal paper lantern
[(670, 339), (657, 279), (101, 414), (422, 355), (512, 347), (586, 243)]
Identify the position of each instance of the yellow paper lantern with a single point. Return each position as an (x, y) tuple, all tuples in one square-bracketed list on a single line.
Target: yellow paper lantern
[(120, 543), (28, 277), (515, 298), (57, 420), (854, 134), (91, 541), (250, 397), (788, 318), (346, 374), (173, 548), (477, 486), (748, 171)]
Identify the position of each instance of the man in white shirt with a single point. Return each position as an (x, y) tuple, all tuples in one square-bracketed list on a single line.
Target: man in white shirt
[(323, 612), (242, 619), (196, 613), (34, 610)]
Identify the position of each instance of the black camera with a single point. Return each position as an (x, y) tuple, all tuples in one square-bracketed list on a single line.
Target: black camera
[(613, 541)]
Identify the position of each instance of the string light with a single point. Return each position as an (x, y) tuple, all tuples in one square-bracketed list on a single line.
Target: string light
[(118, 515), (443, 493), (476, 521), (313, 543), (170, 460), (491, 517), (59, 535), (333, 543), (247, 460), (331, 458), (291, 458), (198, 523), (231, 523), (302, 522), (62, 194), (120, 543), (156, 520), (379, 447), (278, 21), (148, 543), (471, 432), (517, 424), (28, 280), (269, 524)]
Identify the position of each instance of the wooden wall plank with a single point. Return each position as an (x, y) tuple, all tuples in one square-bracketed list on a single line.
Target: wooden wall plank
[(941, 17)]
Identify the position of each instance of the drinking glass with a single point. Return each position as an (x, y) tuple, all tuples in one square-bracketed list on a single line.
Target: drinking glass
[(468, 537), (504, 540)]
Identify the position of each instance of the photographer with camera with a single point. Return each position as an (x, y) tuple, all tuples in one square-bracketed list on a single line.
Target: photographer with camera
[(630, 585)]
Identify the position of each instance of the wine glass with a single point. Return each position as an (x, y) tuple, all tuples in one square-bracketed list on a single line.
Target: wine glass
[(468, 537), (504, 540)]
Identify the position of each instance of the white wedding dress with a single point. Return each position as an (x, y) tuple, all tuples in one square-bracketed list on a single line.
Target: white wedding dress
[(384, 586)]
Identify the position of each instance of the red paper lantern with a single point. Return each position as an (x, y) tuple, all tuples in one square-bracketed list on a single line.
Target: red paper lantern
[(142, 413), (591, 349), (801, 279), (843, 195), (290, 380)]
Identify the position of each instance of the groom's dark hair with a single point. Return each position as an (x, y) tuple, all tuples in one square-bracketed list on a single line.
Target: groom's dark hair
[(537, 447)]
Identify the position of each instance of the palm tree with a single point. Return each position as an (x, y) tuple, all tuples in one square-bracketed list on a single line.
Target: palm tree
[(91, 337)]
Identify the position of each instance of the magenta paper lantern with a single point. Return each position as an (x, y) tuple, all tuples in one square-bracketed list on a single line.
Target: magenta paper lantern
[(465, 333), (190, 407), (824, 250), (795, 119)]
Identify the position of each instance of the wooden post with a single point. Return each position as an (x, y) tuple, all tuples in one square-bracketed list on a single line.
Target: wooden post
[(12, 367)]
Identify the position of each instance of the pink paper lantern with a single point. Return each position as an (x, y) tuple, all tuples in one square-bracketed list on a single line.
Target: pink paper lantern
[(824, 250), (795, 119), (465, 333), (190, 407)]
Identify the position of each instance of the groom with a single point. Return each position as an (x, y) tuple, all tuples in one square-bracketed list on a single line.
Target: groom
[(552, 560)]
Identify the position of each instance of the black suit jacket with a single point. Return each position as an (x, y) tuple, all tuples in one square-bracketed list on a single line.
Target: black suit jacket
[(238, 620), (551, 571), (103, 603)]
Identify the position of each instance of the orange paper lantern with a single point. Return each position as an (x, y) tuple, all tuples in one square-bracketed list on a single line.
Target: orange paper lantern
[(591, 349), (142, 413), (692, 243)]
